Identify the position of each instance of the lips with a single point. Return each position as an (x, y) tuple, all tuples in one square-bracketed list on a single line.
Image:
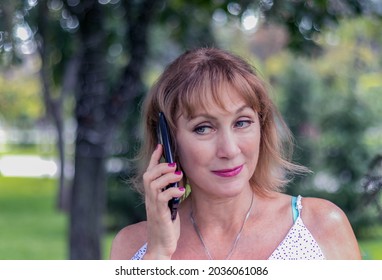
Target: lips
[(228, 172)]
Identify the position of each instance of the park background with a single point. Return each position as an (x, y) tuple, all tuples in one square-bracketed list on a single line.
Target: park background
[(73, 74)]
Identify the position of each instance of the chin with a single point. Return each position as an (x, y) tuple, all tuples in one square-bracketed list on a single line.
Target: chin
[(231, 189)]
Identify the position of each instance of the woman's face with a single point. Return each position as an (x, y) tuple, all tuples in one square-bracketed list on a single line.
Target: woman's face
[(219, 148)]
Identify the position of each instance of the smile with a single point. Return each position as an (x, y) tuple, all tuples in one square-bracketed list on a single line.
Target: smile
[(228, 172)]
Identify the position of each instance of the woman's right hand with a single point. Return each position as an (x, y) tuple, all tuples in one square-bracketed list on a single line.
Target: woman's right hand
[(163, 232)]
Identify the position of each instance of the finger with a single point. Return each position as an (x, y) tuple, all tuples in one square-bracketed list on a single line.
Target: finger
[(155, 157), (165, 196), (160, 205), (160, 170), (170, 193), (166, 179), (156, 186)]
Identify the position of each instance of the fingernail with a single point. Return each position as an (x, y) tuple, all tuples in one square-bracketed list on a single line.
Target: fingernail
[(181, 189), (178, 172), (172, 164), (156, 148)]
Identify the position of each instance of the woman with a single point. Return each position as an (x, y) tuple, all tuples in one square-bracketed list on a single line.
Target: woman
[(227, 137)]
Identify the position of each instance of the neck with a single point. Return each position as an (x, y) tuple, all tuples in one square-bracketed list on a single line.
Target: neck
[(220, 213), (226, 233)]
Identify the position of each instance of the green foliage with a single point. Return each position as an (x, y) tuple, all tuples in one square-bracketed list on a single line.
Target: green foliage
[(331, 107), (371, 249), (332, 103), (125, 206), (20, 100)]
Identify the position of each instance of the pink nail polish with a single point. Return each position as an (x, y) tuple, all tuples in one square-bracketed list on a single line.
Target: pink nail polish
[(172, 164), (181, 189), (178, 172)]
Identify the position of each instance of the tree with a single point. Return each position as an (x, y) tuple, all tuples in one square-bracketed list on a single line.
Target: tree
[(330, 105), (372, 184), (92, 33), (98, 113)]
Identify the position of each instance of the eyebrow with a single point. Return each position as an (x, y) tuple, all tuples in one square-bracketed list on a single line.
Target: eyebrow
[(208, 116)]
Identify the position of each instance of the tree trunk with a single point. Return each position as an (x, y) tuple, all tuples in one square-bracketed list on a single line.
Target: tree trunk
[(98, 114), (88, 189), (53, 105), (87, 206)]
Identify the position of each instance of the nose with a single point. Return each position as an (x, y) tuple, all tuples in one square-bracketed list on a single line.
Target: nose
[(227, 145)]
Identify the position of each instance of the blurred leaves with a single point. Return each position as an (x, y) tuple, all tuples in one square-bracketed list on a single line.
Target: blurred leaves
[(332, 103), (372, 185), (20, 102)]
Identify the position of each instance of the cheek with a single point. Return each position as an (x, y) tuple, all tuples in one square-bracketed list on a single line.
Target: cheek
[(251, 149), (192, 156)]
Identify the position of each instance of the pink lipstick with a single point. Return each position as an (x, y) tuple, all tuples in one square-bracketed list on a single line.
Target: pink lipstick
[(228, 172)]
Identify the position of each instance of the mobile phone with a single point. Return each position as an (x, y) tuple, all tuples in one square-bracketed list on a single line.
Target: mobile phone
[(164, 139)]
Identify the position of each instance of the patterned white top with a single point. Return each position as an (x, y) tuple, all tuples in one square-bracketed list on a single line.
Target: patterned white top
[(298, 244)]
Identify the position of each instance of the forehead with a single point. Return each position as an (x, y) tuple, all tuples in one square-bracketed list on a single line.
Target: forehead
[(224, 96), (229, 102)]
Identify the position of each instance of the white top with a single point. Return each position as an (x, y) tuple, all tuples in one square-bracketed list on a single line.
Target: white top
[(298, 244)]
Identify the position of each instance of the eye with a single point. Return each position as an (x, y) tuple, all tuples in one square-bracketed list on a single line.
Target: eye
[(203, 129), (243, 123)]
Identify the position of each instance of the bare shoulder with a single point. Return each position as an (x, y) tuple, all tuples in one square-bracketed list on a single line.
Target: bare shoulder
[(331, 228), (128, 241), (322, 210)]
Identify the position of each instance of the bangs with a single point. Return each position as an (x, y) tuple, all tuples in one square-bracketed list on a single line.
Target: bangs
[(205, 77), (208, 89)]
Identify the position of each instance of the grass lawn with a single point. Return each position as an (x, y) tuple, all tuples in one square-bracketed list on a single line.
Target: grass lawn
[(31, 228), (371, 249), (30, 225)]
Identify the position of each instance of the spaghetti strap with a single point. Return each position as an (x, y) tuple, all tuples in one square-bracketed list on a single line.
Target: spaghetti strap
[(296, 207), (299, 243), (299, 204), (295, 212)]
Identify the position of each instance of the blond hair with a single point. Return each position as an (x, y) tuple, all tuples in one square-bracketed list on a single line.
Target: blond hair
[(196, 78)]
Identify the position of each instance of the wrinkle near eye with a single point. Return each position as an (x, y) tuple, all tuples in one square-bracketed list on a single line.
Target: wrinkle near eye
[(244, 123), (203, 129)]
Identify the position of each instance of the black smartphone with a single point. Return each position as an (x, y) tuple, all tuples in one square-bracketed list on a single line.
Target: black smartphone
[(165, 140)]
